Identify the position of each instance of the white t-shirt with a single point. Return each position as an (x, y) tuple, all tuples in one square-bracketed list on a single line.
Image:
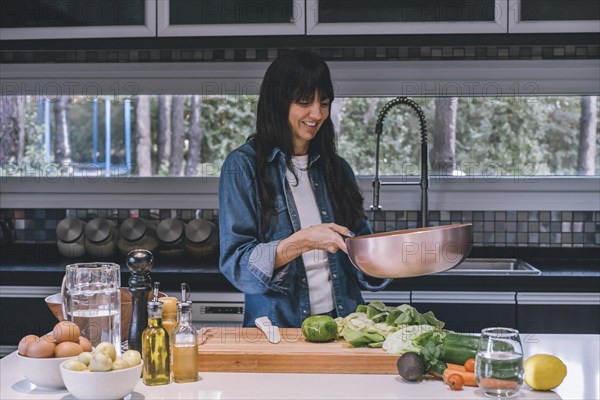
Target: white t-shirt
[(320, 287)]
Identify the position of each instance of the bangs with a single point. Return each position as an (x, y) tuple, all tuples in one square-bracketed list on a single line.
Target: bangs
[(308, 80), (306, 93)]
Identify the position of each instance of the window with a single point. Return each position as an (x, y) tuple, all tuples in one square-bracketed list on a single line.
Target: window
[(499, 136), (503, 136)]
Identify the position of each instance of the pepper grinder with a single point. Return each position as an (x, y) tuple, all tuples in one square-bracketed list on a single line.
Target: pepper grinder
[(139, 263)]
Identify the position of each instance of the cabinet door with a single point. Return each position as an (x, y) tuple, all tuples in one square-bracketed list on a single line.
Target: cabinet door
[(24, 312), (376, 17), (230, 17), (68, 19), (389, 298), (23, 316), (548, 16), (558, 312), (468, 312)]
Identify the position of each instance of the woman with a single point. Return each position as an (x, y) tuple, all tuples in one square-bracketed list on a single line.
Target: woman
[(287, 201)]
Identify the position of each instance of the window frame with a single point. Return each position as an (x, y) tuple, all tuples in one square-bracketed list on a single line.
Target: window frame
[(379, 78), (445, 193)]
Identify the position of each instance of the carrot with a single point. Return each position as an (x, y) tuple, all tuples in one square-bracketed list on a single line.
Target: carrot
[(469, 377), (435, 374), (456, 381), (456, 367), (494, 383), (470, 365)]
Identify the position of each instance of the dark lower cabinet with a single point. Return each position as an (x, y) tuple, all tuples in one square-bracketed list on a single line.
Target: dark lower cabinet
[(471, 318), (469, 312), (558, 312), (23, 316), (530, 312)]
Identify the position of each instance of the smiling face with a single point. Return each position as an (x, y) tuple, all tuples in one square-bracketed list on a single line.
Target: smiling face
[(305, 119)]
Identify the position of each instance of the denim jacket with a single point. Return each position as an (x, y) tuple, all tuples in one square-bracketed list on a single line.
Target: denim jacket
[(247, 251)]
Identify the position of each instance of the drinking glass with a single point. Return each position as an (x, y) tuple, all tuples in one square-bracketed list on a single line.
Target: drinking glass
[(92, 300), (499, 362)]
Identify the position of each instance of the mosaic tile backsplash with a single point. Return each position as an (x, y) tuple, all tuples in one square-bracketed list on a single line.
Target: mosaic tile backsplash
[(339, 53), (490, 228), (399, 53)]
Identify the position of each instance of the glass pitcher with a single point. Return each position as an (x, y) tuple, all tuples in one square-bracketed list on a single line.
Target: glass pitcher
[(92, 300)]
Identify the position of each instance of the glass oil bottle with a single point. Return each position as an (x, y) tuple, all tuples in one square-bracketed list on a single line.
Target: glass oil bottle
[(184, 342), (155, 345)]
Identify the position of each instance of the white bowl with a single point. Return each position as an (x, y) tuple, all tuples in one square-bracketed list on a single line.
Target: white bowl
[(108, 385), (43, 372)]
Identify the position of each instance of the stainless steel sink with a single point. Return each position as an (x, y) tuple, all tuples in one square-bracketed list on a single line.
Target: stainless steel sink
[(493, 266)]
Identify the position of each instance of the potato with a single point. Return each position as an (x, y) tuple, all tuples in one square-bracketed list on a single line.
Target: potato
[(74, 365), (108, 349), (132, 357), (120, 364), (85, 357), (100, 362)]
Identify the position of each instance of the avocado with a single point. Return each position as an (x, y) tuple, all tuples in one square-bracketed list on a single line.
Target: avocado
[(410, 366)]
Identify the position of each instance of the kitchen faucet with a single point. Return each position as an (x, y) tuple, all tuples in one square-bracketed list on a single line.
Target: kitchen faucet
[(424, 183)]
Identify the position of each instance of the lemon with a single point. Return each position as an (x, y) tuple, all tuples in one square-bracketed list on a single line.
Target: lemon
[(544, 371)]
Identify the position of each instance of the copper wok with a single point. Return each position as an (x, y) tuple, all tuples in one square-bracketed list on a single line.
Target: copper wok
[(411, 252)]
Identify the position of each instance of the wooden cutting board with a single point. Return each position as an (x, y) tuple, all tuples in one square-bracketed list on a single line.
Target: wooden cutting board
[(248, 350)]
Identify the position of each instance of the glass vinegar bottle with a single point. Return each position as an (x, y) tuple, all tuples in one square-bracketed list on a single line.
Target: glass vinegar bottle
[(185, 346), (155, 346)]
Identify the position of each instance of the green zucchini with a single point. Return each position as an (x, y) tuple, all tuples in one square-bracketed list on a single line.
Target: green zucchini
[(459, 348), (455, 339), (457, 354)]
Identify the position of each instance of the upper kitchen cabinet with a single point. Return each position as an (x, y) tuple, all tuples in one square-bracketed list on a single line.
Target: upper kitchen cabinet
[(377, 17), (68, 19), (230, 17), (551, 16)]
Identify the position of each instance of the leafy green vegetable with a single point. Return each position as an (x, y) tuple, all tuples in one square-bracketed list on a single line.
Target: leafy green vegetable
[(360, 331), (402, 329), (410, 316), (378, 318), (434, 345), (401, 315), (361, 339), (410, 338), (439, 367), (432, 353)]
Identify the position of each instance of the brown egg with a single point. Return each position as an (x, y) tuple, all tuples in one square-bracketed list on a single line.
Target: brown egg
[(25, 342), (67, 349), (43, 348), (66, 331), (85, 344), (49, 337)]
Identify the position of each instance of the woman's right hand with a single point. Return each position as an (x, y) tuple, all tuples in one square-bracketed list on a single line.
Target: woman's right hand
[(328, 237)]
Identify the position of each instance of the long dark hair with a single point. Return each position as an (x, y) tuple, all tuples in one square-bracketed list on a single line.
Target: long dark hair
[(296, 76)]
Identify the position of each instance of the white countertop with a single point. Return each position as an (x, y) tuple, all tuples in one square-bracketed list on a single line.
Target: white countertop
[(581, 354)]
